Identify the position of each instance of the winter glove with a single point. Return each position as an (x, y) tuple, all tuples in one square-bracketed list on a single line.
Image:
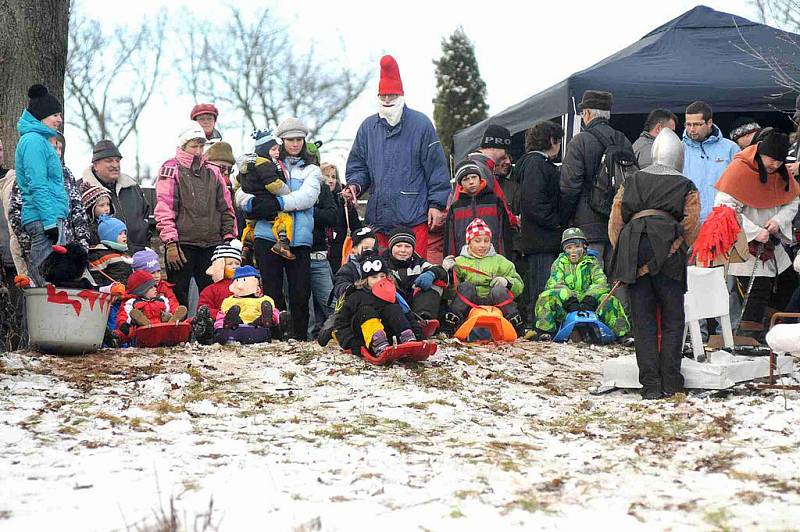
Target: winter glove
[(501, 281), (588, 303), (449, 262), (264, 207), (52, 234), (174, 256), (572, 304), (425, 280)]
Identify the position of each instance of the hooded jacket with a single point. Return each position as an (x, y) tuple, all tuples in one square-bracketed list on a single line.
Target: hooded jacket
[(40, 177), (193, 210), (493, 265), (403, 169), (584, 279), (465, 208), (129, 205), (704, 162)]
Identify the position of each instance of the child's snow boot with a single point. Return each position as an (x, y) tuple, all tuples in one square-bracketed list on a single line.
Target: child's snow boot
[(203, 326), (379, 342), (281, 247), (285, 324), (326, 331), (518, 323), (407, 336), (139, 318), (232, 319), (265, 320), (450, 324), (180, 314)]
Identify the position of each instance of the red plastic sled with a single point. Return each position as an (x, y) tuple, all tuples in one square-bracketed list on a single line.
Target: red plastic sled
[(161, 334), (429, 328), (409, 350)]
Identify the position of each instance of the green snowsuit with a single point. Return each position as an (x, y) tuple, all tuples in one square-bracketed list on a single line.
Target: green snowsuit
[(493, 265), (585, 279)]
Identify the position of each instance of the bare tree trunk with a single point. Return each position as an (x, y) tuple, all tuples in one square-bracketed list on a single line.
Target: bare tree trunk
[(33, 49)]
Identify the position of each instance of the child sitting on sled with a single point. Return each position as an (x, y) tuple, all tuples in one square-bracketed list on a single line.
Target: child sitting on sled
[(577, 282), (144, 306), (364, 241), (147, 260), (372, 314), (247, 315), (419, 282), (483, 278), (259, 176)]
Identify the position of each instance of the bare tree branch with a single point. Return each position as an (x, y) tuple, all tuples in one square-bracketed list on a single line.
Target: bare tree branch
[(111, 77), (249, 64)]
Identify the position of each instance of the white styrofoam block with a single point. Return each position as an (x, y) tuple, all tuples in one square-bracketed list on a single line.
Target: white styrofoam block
[(722, 371)]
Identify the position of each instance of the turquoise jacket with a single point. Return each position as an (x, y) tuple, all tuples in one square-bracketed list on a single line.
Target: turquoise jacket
[(40, 177), (704, 162)]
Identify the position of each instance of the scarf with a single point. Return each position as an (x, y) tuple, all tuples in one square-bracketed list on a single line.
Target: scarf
[(393, 112), (747, 180)]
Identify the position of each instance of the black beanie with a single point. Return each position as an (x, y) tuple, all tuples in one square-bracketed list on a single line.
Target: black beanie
[(496, 137), (42, 104), (402, 234), (361, 234), (775, 145)]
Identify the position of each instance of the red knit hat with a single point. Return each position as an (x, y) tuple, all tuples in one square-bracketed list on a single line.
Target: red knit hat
[(204, 109), (390, 82), (139, 282), (477, 227)]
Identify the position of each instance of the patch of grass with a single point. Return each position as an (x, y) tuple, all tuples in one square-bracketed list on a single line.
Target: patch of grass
[(137, 423), (288, 375), (340, 431), (750, 497), (718, 519), (526, 500), (718, 463), (456, 513), (165, 407), (466, 359), (113, 420), (435, 377)]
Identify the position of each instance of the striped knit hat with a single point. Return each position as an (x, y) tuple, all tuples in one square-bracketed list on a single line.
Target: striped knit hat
[(229, 250), (402, 234), (477, 227), (465, 168), (90, 195)]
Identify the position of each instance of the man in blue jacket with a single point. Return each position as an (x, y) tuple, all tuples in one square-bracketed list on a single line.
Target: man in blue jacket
[(40, 177), (398, 159), (707, 153)]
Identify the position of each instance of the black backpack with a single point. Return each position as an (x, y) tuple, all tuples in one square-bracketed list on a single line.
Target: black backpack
[(617, 164)]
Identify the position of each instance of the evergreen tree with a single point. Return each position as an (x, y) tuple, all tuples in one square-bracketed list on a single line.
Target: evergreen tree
[(460, 91)]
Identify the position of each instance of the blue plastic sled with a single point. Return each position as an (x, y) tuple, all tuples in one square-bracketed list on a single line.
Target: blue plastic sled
[(584, 319)]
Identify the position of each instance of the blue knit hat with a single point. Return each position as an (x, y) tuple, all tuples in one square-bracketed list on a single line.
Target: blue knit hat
[(264, 141), (109, 228), (246, 271)]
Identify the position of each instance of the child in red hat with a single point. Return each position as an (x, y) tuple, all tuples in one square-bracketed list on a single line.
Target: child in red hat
[(483, 278), (144, 305)]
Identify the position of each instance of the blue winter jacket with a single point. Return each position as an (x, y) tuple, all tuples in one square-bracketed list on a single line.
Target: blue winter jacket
[(40, 176), (704, 162), (402, 167), (304, 184)]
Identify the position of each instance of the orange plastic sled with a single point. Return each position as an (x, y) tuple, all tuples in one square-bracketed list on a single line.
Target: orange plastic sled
[(161, 334), (489, 318), (409, 350)]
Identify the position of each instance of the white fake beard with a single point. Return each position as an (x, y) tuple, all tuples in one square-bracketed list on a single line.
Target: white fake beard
[(393, 112)]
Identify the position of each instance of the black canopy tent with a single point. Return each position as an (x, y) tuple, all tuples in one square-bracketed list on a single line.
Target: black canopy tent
[(696, 56)]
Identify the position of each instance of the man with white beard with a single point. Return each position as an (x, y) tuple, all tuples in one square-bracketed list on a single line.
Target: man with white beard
[(398, 159)]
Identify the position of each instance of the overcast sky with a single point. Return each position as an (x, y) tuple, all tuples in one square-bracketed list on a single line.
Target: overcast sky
[(522, 48)]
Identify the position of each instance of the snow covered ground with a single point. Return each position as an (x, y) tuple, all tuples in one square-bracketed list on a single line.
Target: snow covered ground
[(295, 437)]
